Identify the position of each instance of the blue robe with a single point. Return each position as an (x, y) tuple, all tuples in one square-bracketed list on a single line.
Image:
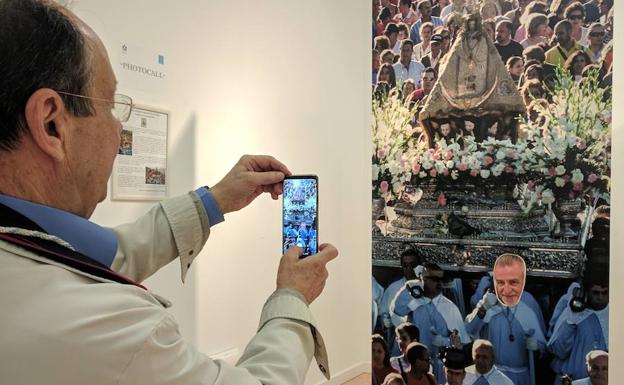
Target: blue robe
[(498, 323), (436, 316), (560, 307), (384, 308), (573, 338), (526, 297)]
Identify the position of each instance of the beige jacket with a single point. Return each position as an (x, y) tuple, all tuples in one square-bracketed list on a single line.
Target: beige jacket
[(59, 326)]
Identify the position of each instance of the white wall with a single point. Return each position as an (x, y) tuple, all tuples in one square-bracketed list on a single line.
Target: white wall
[(287, 78)]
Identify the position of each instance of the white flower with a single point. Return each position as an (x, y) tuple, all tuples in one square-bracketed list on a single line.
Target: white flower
[(450, 164), (422, 174), (559, 182), (375, 172), (577, 176), (497, 170), (560, 170), (427, 165), (548, 197), (454, 175), (396, 187), (485, 174), (500, 154)]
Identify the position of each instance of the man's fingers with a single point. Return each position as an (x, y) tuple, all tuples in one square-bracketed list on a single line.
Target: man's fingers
[(294, 252), (266, 178), (327, 252), (267, 163)]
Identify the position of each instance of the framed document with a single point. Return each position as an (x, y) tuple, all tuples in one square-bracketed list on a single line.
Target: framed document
[(140, 170)]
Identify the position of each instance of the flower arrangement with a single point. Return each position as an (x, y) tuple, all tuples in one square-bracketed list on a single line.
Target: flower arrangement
[(570, 151), (393, 139), (566, 154)]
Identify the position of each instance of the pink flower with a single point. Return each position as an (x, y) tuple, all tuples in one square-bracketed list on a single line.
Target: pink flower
[(474, 172), (415, 167), (591, 178), (436, 156), (488, 160), (433, 173), (531, 185), (571, 195), (581, 145), (510, 154), (383, 187), (566, 178), (578, 187), (445, 172), (552, 171), (449, 155), (381, 153), (509, 169), (462, 167), (402, 164), (441, 200)]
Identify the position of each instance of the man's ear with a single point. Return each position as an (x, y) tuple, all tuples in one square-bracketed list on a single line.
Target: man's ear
[(47, 122)]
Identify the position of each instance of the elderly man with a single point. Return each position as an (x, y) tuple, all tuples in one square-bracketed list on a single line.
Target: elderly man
[(597, 367), (437, 317), (73, 309), (483, 372), (582, 327), (511, 325)]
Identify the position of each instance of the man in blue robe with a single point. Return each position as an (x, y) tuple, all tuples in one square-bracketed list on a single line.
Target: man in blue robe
[(579, 330), (508, 323), (438, 319), (410, 258)]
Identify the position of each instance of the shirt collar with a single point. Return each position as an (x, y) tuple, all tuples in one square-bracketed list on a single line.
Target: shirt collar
[(88, 238)]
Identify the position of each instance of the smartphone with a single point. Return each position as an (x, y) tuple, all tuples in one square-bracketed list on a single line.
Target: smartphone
[(300, 213)]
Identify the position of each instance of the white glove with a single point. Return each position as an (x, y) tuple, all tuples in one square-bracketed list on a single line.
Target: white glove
[(488, 301), (531, 344), (437, 340)]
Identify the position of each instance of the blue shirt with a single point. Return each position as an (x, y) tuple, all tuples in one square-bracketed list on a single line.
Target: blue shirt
[(92, 240)]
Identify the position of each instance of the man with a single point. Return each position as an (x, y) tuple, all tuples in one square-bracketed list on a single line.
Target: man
[(509, 278), (597, 367), (424, 8), (506, 46), (454, 366), (406, 14), (513, 328), (428, 81), (596, 42), (406, 68), (565, 46), (438, 318), (72, 305), (579, 331), (409, 258), (432, 59), (483, 371)]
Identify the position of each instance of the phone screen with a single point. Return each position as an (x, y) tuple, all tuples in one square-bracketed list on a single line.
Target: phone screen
[(300, 213)]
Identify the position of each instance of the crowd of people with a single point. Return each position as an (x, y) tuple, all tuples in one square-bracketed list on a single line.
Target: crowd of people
[(531, 337), (411, 40)]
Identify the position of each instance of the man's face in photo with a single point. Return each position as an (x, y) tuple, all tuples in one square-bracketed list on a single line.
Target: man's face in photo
[(509, 282)]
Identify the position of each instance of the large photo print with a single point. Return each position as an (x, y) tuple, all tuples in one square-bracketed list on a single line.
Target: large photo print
[(491, 166)]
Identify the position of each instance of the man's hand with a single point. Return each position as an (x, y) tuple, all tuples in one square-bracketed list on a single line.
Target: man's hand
[(250, 177), (306, 275)]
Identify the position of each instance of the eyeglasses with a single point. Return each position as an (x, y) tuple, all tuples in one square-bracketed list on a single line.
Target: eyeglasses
[(576, 17), (596, 34), (121, 104)]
